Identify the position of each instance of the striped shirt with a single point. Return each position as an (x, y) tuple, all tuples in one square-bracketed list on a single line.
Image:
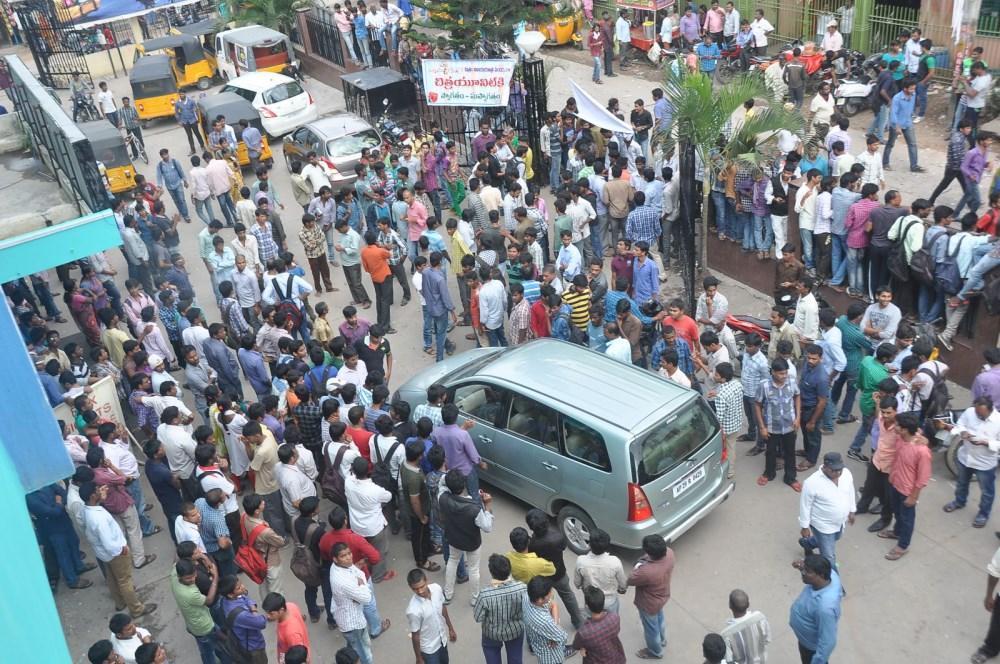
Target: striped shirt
[(755, 370), (747, 638), (349, 597), (580, 302), (129, 117), (778, 405), (729, 406), (500, 610)]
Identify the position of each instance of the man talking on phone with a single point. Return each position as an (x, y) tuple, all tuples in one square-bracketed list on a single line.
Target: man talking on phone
[(978, 431)]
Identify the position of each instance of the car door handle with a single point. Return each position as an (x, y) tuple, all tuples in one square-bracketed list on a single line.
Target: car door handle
[(550, 466), (484, 439)]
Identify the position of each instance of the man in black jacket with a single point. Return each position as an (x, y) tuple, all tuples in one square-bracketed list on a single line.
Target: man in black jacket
[(549, 543), (464, 523)]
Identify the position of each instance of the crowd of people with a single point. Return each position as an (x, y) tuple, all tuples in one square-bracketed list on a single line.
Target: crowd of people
[(244, 474)]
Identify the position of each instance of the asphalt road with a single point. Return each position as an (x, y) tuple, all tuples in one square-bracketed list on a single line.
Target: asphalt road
[(926, 607)]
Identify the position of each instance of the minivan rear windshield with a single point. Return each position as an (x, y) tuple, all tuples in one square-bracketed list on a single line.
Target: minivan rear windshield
[(352, 144), (675, 439)]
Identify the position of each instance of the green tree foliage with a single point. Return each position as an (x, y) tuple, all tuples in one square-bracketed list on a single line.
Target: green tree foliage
[(468, 22)]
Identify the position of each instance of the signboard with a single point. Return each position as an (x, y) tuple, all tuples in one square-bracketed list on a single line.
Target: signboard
[(86, 13), (106, 405), (467, 82), (644, 5)]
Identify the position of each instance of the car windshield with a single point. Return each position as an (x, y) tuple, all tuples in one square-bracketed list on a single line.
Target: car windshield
[(155, 88), (352, 144), (675, 439), (282, 92)]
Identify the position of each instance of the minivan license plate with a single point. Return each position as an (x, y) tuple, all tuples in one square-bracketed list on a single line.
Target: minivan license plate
[(689, 481)]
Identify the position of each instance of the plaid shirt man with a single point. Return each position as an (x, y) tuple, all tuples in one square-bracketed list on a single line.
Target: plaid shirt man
[(309, 416), (170, 317), (233, 314), (129, 117), (643, 223), (313, 241), (546, 638), (266, 245), (755, 369), (213, 524), (744, 188), (520, 319), (684, 361), (395, 244), (729, 406), (778, 405), (600, 639)]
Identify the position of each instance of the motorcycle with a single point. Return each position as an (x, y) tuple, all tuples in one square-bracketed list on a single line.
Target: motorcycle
[(393, 136), (730, 63), (853, 95), (744, 325)]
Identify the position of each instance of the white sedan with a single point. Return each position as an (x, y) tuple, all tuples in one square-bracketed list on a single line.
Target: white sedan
[(282, 102)]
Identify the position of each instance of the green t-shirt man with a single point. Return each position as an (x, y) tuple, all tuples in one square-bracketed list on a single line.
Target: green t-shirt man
[(191, 604), (870, 374)]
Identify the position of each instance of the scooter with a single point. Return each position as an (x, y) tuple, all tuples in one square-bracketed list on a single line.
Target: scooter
[(854, 95)]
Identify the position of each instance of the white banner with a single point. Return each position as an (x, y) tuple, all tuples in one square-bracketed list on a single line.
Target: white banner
[(107, 406), (467, 82), (593, 112)]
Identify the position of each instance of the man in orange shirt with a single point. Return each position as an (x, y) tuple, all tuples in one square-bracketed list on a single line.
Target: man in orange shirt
[(375, 260), (291, 627), (686, 328)]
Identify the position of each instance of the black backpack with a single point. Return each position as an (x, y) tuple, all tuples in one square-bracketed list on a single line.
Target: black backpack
[(940, 397), (381, 472), (197, 489), (948, 276), (332, 482), (922, 265), (576, 335), (286, 304), (899, 267), (237, 652)]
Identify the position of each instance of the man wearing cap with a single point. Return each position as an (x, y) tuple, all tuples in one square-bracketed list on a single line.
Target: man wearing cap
[(826, 504), (833, 41)]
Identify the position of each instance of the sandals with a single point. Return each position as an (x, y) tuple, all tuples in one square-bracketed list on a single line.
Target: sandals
[(796, 486), (430, 566), (896, 553), (145, 561), (429, 351), (888, 534), (952, 506), (762, 481)]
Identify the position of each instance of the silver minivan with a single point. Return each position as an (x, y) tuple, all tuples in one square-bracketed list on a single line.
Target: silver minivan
[(590, 440)]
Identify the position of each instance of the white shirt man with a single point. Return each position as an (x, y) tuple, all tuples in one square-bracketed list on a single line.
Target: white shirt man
[(127, 647), (832, 39), (760, 27), (295, 486), (623, 30), (383, 444), (352, 453), (807, 317), (426, 616), (315, 176), (103, 533), (826, 505), (732, 25), (912, 51), (351, 594), (300, 287), (364, 501), (677, 376), (977, 455), (619, 349), (106, 100), (185, 531), (582, 213), (196, 336)]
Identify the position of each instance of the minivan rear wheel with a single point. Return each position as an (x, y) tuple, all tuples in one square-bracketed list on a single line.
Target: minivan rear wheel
[(576, 527)]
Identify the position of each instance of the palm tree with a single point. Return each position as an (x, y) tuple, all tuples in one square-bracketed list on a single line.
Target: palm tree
[(276, 14), (701, 114)]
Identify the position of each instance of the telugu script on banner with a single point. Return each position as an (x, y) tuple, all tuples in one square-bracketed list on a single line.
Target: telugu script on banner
[(467, 82)]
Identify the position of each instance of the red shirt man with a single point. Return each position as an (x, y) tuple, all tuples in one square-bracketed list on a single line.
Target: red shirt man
[(364, 554)]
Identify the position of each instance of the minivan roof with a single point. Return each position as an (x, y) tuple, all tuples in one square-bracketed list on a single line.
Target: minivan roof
[(623, 395)]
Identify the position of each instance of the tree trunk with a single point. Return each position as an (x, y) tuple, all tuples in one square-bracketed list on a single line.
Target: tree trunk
[(688, 250)]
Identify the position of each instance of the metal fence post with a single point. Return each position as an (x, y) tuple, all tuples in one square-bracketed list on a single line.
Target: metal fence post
[(535, 106)]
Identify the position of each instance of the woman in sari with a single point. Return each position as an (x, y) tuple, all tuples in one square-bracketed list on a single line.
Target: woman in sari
[(90, 281), (453, 177), (81, 304)]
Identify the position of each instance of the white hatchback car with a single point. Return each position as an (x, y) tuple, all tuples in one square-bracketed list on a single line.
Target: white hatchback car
[(282, 102)]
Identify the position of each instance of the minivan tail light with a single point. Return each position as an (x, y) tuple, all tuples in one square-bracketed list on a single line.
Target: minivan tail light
[(309, 95), (725, 454), (267, 113), (638, 504)]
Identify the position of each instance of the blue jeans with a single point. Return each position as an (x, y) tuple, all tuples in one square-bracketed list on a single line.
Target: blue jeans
[(847, 380), (598, 65), (856, 269), (208, 650), (597, 229), (514, 647), (359, 640), (496, 337), (906, 518), (839, 259), (134, 489), (877, 127), (428, 326), (654, 630), (554, 167), (366, 57), (178, 197), (441, 333), (763, 234), (911, 145), (920, 106), (744, 229), (826, 543), (228, 208), (930, 303), (970, 198), (864, 431), (204, 210), (719, 201), (987, 485), (981, 266), (644, 145), (438, 657), (65, 545), (806, 235)]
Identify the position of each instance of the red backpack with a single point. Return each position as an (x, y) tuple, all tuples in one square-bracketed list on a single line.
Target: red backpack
[(248, 558)]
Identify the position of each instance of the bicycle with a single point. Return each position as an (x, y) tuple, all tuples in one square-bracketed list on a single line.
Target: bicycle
[(134, 145)]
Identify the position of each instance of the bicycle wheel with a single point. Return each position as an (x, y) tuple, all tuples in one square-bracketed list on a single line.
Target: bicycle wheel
[(141, 147)]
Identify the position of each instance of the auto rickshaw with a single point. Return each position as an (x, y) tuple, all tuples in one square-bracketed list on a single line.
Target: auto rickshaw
[(204, 31), (234, 108), (191, 65), (154, 88), (565, 25), (109, 149), (253, 48)]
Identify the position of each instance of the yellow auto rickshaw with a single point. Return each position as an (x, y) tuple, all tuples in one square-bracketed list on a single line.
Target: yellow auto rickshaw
[(234, 108), (154, 88), (109, 149), (191, 65), (204, 31)]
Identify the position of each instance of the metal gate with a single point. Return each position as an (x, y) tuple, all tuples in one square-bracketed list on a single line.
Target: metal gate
[(56, 140), (54, 46)]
